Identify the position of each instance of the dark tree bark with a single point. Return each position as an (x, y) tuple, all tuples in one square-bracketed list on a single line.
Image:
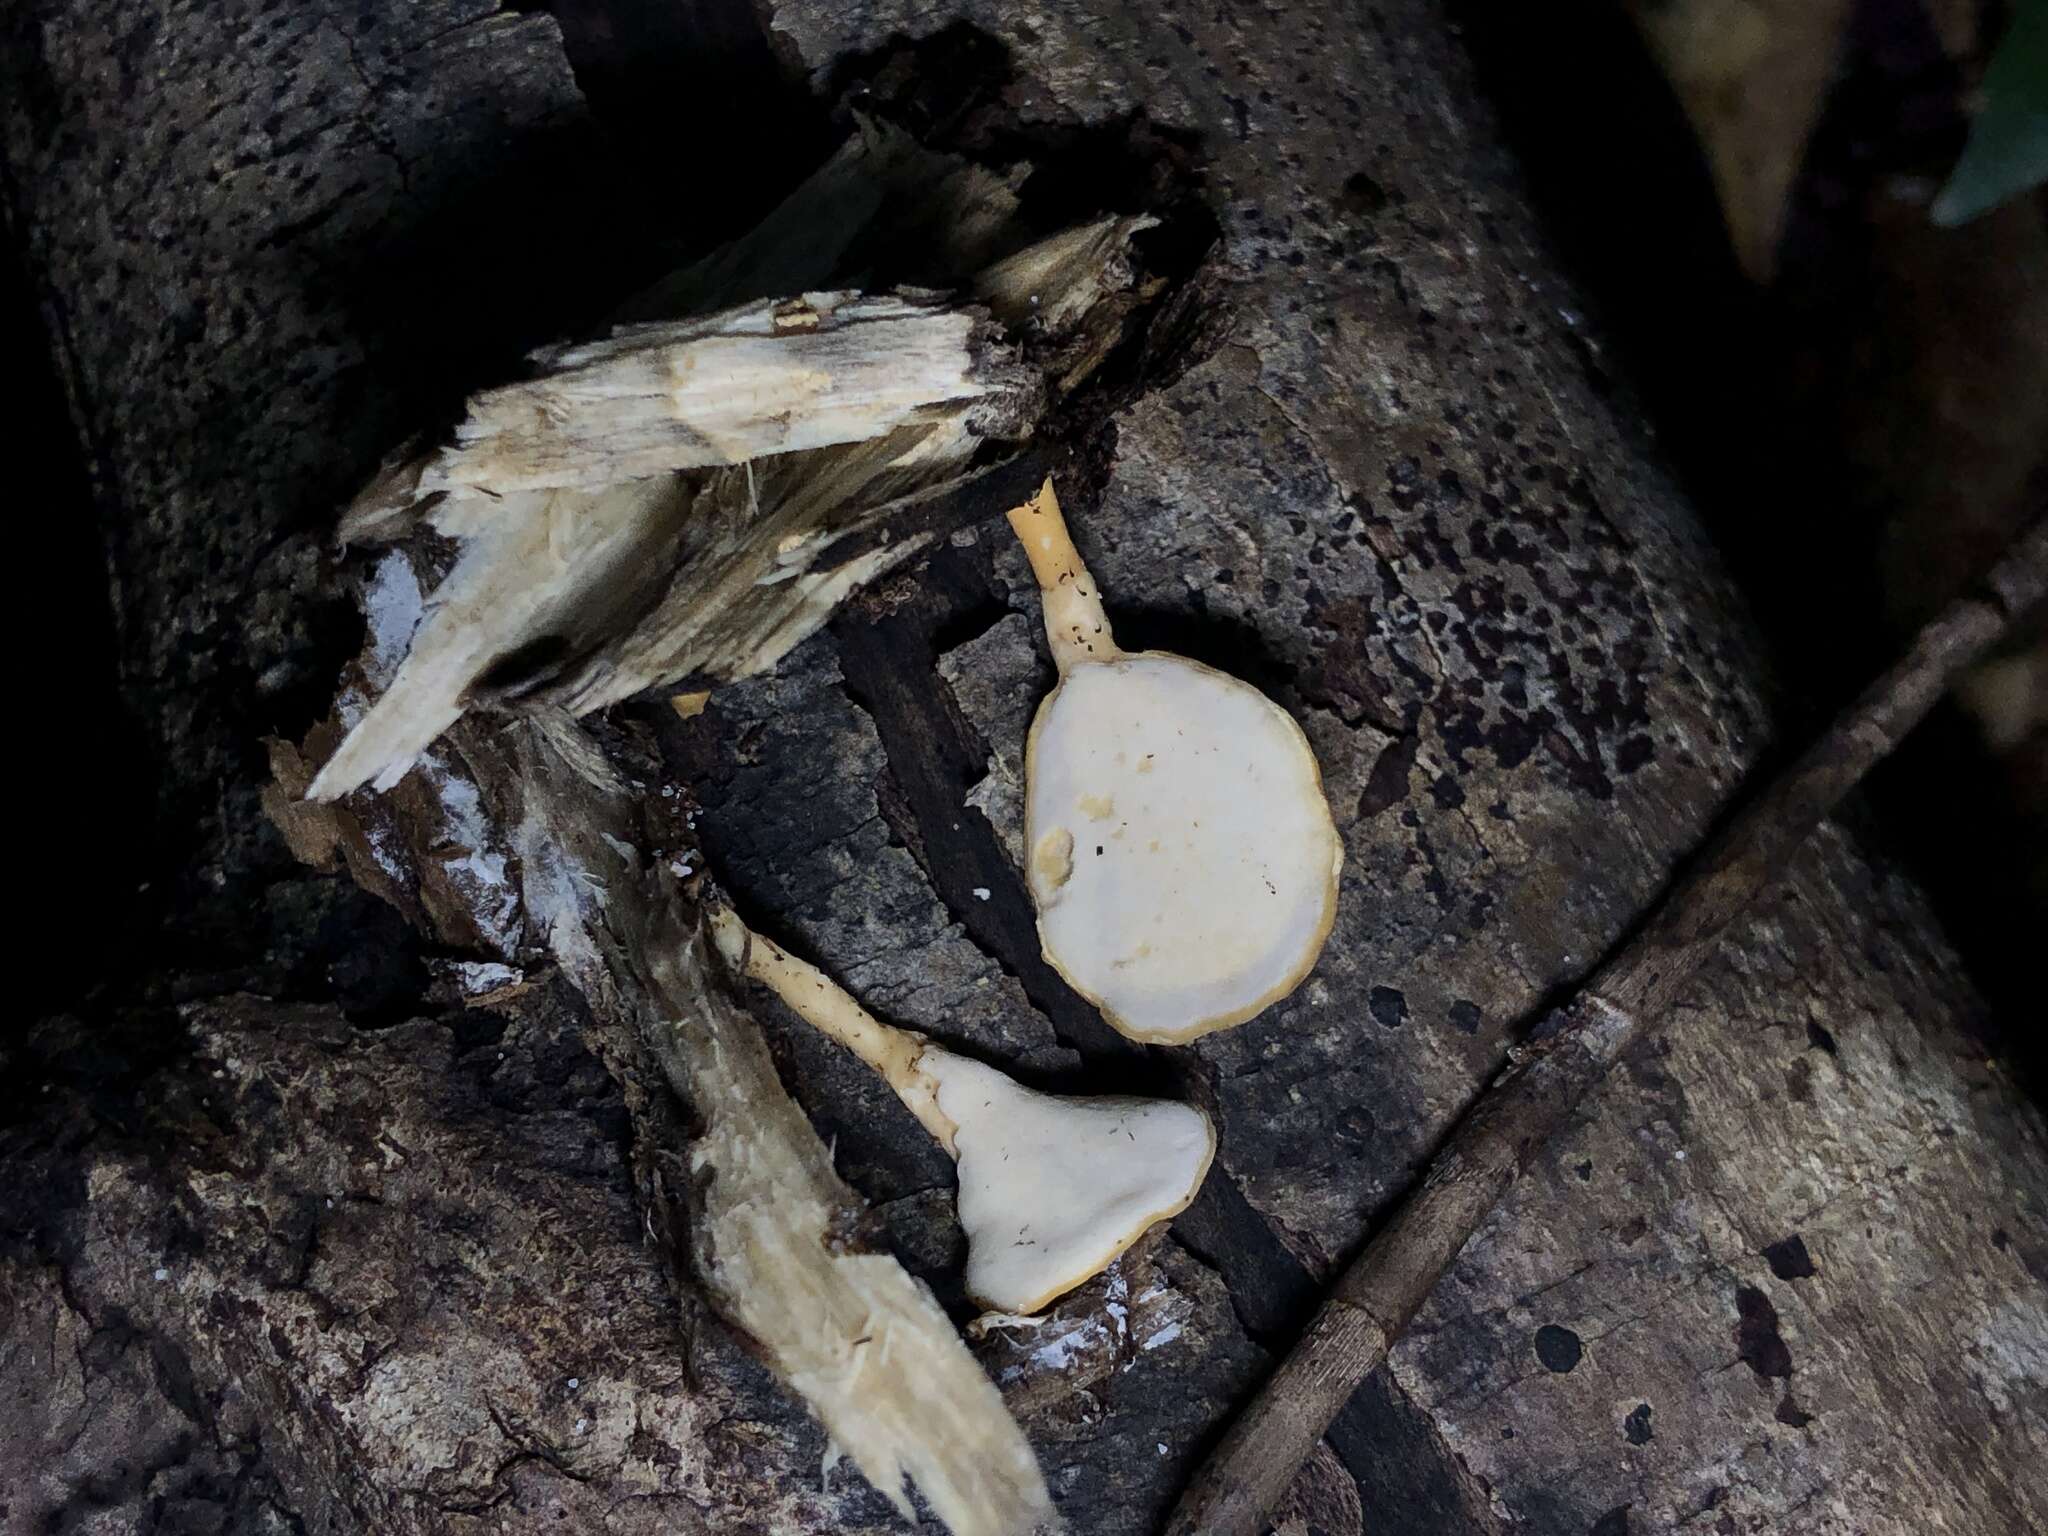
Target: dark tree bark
[(1782, 1272)]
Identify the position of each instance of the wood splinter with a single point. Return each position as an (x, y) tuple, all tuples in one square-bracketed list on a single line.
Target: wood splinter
[(1571, 1049)]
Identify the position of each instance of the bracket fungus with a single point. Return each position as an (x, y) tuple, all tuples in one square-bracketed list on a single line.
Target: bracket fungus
[(1053, 1190), (1181, 854)]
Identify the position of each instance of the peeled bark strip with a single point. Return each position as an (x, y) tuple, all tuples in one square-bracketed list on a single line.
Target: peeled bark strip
[(863, 1343), (755, 1205)]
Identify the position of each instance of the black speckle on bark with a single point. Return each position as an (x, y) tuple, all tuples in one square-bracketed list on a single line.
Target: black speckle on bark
[(1362, 194), (1585, 1171), (1791, 1414), (1558, 1348), (1466, 1017), (1636, 1427), (1634, 753), (1387, 783), (1389, 1007), (1819, 1038), (1613, 1523), (1799, 1081), (1789, 1259), (1757, 1338)]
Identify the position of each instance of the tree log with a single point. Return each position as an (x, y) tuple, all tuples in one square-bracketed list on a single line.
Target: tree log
[(1782, 1272)]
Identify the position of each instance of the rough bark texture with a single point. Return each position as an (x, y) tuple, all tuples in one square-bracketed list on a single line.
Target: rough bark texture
[(1571, 1051), (1785, 1272)]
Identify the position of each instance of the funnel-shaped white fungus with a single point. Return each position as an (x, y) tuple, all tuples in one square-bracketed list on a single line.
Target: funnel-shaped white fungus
[(1180, 852), (1052, 1189)]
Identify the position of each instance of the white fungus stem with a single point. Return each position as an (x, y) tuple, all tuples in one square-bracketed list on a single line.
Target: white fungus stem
[(897, 1054), (1075, 622)]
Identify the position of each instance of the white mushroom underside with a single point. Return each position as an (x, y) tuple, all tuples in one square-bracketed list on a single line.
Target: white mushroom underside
[(1183, 859), (1053, 1189)]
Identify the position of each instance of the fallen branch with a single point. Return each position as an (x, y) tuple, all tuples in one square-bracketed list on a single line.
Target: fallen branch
[(1571, 1049)]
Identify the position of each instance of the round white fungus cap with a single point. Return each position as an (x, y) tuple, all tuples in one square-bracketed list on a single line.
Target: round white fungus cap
[(1181, 854)]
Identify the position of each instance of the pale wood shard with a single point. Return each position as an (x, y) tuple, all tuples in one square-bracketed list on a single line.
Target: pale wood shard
[(544, 568), (775, 376), (1076, 286), (756, 1216), (689, 499), (863, 1343), (1055, 282), (771, 550), (771, 376)]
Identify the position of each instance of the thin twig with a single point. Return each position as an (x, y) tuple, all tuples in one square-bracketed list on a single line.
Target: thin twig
[(1570, 1050)]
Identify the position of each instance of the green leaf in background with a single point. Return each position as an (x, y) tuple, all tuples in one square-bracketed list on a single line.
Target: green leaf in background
[(2007, 151)]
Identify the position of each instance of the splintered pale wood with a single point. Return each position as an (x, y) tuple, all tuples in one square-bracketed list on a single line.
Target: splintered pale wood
[(1570, 1051), (739, 1189), (772, 376), (688, 499), (571, 516), (770, 549), (865, 1344)]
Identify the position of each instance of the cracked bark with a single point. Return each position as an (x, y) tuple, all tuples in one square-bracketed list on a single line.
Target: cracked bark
[(1395, 500)]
